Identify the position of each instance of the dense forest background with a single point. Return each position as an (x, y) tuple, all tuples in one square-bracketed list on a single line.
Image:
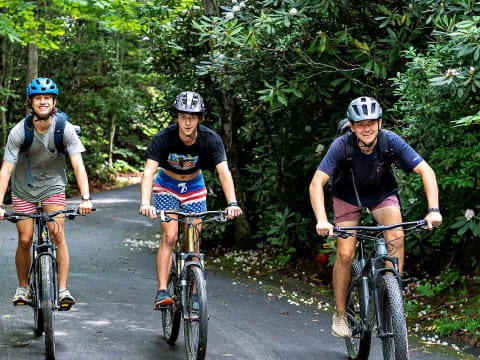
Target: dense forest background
[(277, 76)]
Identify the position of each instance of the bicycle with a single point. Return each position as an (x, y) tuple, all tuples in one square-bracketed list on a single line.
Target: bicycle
[(43, 273), (374, 297), (187, 284)]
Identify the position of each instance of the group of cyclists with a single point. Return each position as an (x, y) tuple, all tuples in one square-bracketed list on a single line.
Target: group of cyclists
[(359, 163)]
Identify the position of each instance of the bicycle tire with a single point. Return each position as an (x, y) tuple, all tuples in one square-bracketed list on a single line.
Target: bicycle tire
[(171, 315), (358, 345), (37, 311), (47, 304), (394, 347), (196, 321)]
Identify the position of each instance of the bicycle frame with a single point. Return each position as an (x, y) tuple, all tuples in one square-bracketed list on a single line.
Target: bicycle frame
[(187, 285), (371, 270), (186, 259), (374, 299), (40, 247)]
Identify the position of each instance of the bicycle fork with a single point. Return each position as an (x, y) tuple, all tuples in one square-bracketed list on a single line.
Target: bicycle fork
[(184, 264)]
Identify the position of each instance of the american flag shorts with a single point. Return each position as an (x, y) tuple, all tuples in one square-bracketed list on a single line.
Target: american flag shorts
[(172, 194), (31, 208)]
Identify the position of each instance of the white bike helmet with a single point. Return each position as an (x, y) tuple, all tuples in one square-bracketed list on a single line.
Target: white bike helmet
[(364, 108)]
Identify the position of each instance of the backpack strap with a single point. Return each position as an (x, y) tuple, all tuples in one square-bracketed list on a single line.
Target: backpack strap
[(60, 124), (29, 132), (387, 155)]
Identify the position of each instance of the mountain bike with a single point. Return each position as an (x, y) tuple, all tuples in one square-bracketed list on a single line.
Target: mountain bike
[(187, 284), (374, 298), (43, 273)]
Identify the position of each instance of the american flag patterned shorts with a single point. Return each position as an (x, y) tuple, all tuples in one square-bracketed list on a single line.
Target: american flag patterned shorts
[(186, 196), (31, 208)]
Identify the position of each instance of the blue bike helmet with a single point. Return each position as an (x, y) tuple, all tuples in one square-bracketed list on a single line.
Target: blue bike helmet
[(42, 86), (364, 108), (189, 102)]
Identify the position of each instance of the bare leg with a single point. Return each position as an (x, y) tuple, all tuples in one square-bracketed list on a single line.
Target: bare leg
[(164, 254), (23, 257), (342, 267), (57, 236)]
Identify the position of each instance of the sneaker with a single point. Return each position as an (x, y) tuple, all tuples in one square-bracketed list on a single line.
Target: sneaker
[(195, 302), (65, 299), (163, 299), (340, 326), (23, 296)]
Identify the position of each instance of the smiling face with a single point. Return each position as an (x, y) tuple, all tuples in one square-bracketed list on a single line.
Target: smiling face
[(43, 104), (187, 127), (366, 130)]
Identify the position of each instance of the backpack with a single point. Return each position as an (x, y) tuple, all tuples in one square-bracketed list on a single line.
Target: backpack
[(387, 155), (60, 124)]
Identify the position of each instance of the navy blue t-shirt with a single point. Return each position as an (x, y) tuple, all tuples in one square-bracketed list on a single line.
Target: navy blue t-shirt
[(172, 154), (366, 167)]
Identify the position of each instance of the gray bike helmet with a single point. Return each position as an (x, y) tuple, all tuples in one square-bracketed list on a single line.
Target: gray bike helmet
[(364, 108), (189, 102)]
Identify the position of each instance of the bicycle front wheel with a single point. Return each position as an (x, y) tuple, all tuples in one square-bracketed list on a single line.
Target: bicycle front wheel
[(358, 345), (196, 315), (37, 310), (171, 315), (47, 303), (395, 344)]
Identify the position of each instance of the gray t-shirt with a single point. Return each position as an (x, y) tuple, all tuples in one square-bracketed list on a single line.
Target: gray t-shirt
[(46, 163)]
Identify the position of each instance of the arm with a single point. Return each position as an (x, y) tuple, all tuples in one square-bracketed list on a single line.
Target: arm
[(5, 174), (228, 189), (317, 199), (434, 218), (149, 171), (76, 160)]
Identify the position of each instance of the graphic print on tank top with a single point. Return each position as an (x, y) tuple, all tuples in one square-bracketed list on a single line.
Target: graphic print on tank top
[(182, 162)]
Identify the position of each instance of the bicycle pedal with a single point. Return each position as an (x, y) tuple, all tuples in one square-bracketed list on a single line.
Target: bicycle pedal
[(20, 303), (64, 307)]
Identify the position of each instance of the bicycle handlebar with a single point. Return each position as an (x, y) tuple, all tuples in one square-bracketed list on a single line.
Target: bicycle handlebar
[(378, 228), (18, 216), (217, 215)]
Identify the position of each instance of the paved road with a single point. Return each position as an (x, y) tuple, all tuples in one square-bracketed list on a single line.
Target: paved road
[(114, 284)]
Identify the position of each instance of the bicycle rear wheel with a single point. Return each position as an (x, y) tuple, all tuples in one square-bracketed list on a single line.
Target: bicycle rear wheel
[(358, 346), (394, 346), (196, 322), (47, 303), (171, 315)]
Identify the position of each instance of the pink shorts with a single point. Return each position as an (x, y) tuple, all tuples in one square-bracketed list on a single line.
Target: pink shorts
[(31, 208), (345, 211)]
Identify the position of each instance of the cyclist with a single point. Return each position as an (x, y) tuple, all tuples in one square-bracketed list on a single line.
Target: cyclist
[(366, 181), (182, 151), (38, 175)]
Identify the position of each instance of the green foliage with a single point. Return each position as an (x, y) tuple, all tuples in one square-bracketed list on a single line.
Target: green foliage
[(447, 326), (470, 222)]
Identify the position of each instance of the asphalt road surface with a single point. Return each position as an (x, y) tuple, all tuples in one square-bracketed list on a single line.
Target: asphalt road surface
[(114, 284)]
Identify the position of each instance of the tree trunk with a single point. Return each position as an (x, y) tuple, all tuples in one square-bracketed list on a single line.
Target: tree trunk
[(112, 137), (231, 119), (3, 99), (32, 66)]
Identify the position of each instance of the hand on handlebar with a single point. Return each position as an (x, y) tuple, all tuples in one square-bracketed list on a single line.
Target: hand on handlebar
[(433, 219), (148, 210), (85, 207), (324, 228), (233, 211)]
